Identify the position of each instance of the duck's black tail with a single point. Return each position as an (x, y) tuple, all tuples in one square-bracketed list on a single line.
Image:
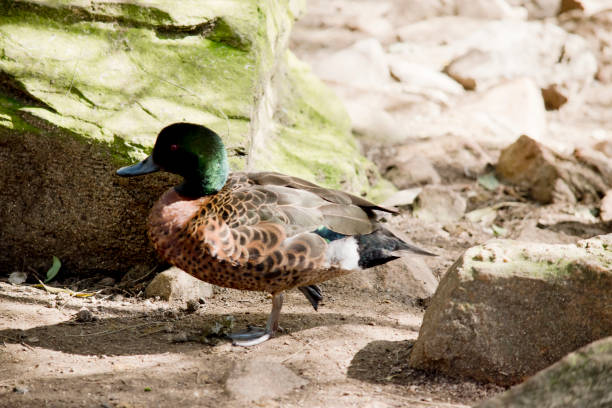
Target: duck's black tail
[(381, 246)]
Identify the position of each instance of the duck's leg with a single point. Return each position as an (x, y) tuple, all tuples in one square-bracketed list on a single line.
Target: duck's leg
[(257, 335)]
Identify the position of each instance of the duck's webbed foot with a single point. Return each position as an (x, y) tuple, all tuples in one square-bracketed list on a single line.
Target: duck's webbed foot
[(257, 335)]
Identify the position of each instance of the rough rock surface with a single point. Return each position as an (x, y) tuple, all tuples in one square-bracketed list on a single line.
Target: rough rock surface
[(174, 285), (86, 86), (256, 379), (549, 176), (437, 204), (581, 379), (507, 309)]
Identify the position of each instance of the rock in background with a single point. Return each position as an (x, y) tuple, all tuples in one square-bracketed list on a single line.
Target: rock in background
[(507, 309), (86, 86)]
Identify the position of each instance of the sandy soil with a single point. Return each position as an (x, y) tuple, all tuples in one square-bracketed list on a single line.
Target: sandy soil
[(134, 353), (353, 352), (137, 352)]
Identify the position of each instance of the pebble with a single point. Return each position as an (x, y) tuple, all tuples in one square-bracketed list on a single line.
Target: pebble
[(192, 305), (85, 315)]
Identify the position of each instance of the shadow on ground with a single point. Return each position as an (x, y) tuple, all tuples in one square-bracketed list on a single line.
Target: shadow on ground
[(161, 332), (386, 362)]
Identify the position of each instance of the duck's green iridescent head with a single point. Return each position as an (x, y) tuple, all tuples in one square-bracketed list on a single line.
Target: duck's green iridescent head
[(192, 151)]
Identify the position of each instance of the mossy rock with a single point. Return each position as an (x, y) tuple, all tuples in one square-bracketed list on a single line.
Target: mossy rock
[(507, 309), (85, 86)]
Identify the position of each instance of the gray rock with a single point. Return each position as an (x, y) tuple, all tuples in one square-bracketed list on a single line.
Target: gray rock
[(507, 309), (408, 277), (485, 66), (367, 62), (514, 106), (256, 379), (402, 198), (439, 204), (419, 77), (175, 285), (605, 207), (84, 315), (537, 9), (549, 176), (411, 171), (489, 9), (581, 379)]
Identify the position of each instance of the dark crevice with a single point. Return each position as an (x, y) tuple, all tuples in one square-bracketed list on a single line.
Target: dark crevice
[(215, 29), (10, 86)]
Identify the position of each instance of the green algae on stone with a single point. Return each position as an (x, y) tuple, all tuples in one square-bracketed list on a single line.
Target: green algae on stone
[(501, 320), (313, 138), (86, 85)]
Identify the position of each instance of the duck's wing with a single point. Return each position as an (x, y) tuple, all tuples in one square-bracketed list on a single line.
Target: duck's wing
[(270, 218), (333, 196)]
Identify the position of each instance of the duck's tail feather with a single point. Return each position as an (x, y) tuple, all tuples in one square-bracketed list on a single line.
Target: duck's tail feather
[(313, 294), (382, 246)]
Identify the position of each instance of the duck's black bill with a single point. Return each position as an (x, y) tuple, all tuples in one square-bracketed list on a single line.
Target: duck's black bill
[(144, 167)]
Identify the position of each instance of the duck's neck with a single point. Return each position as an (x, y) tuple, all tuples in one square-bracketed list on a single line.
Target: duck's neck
[(209, 178)]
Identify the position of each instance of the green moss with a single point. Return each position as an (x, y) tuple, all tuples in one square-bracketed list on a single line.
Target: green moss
[(9, 115), (313, 139), (115, 73), (548, 262)]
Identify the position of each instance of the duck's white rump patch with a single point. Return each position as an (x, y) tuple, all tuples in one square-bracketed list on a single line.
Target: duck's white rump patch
[(343, 253)]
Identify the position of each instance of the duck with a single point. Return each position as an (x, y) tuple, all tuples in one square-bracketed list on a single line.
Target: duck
[(258, 231)]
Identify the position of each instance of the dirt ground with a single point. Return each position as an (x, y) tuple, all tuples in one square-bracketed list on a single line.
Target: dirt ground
[(353, 352), (137, 352)]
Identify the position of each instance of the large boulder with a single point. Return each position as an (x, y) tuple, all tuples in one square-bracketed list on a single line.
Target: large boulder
[(86, 86), (507, 309), (581, 379)]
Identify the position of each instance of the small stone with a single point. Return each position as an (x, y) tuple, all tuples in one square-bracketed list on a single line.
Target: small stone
[(408, 277), (554, 98), (489, 9), (175, 285), (171, 314), (192, 306), (20, 389), (588, 7), (108, 281), (256, 379), (605, 207), (17, 278), (402, 198), (84, 315), (439, 204), (411, 171), (180, 337)]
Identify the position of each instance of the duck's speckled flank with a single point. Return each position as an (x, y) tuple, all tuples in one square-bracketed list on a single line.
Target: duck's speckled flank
[(249, 236)]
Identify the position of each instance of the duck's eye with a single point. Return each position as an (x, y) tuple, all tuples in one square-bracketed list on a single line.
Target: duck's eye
[(173, 147)]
